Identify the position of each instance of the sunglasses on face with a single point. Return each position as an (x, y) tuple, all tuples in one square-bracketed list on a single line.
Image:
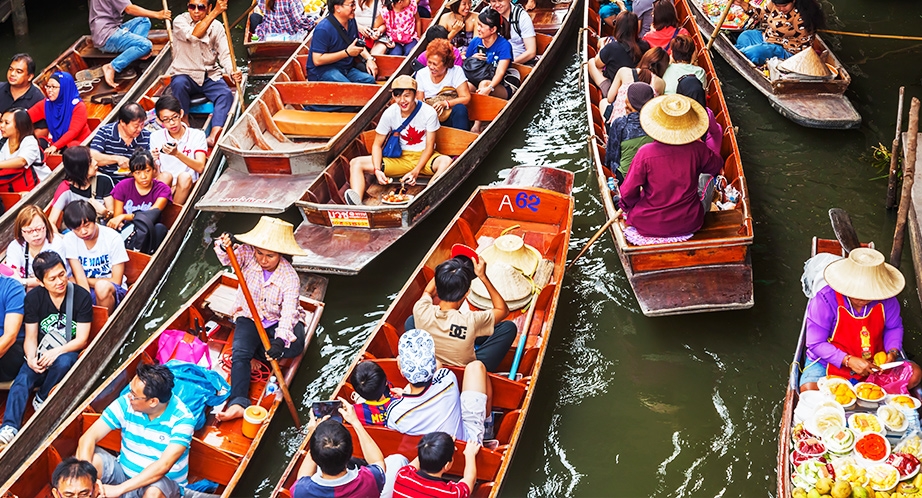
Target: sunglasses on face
[(197, 6)]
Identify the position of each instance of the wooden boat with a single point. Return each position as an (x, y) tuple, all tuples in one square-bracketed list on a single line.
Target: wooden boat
[(713, 270), (144, 274), (545, 218), (814, 104), (277, 148), (267, 57), (219, 451)]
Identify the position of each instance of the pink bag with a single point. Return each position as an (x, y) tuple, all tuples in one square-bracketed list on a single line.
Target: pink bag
[(172, 345), (894, 380)]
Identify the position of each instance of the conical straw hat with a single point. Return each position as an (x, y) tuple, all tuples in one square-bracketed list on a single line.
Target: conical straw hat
[(512, 249), (674, 119), (806, 62), (273, 234), (864, 275), (514, 287)]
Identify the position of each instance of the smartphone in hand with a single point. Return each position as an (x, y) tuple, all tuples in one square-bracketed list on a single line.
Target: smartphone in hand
[(323, 408)]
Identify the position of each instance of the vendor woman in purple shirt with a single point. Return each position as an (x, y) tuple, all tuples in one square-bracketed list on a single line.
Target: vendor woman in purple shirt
[(854, 317), (659, 195)]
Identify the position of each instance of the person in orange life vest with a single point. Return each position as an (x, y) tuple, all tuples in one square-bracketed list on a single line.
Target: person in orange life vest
[(854, 317)]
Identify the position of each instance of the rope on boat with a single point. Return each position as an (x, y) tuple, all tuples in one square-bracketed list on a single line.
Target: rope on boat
[(870, 35)]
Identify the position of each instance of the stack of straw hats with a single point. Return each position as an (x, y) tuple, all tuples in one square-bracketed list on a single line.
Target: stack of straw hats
[(510, 263)]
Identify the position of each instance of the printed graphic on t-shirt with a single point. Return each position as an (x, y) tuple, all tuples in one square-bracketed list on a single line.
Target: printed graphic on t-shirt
[(96, 267), (131, 207), (54, 324), (413, 136)]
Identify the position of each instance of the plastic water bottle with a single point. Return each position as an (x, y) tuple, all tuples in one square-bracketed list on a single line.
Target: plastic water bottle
[(269, 393), (611, 184)]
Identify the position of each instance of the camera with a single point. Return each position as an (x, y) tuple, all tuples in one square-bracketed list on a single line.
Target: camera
[(360, 42)]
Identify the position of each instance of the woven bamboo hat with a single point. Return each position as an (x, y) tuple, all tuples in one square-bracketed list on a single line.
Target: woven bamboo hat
[(515, 288), (864, 275), (674, 119), (273, 234), (806, 62), (512, 250)]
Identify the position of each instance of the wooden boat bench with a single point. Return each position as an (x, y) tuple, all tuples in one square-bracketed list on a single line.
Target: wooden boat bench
[(311, 124), (720, 224), (221, 301)]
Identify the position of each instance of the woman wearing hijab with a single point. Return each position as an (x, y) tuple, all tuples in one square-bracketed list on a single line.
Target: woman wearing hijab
[(64, 111)]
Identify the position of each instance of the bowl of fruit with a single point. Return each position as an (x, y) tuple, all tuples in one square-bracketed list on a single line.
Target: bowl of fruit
[(810, 447), (883, 477), (839, 441), (904, 400), (872, 447), (869, 395), (840, 389), (863, 423), (893, 418), (908, 465)]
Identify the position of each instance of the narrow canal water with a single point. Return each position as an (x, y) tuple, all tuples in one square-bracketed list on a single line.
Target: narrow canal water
[(626, 405)]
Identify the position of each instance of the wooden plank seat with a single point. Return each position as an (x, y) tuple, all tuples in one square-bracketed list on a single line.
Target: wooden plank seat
[(720, 224), (484, 107), (137, 262), (221, 300), (311, 123)]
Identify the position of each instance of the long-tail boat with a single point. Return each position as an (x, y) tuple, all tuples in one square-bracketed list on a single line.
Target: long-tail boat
[(539, 202), (219, 451), (267, 56), (144, 274), (810, 103), (713, 270)]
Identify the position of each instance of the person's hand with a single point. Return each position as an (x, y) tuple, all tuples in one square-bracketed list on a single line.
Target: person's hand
[(861, 366), (155, 153), (48, 358), (34, 364), (892, 356), (478, 55), (166, 14), (397, 392), (409, 178), (367, 32), (530, 5), (347, 412), (353, 49), (485, 90), (276, 349), (457, 25), (122, 162), (471, 449), (224, 241), (169, 149), (220, 7), (440, 106), (50, 150), (480, 268), (372, 67), (237, 77), (109, 490), (381, 177)]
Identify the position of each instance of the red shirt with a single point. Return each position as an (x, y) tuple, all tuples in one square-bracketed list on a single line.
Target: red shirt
[(76, 133), (663, 37), (411, 483)]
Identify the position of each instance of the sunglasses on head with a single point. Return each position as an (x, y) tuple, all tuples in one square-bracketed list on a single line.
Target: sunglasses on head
[(197, 6)]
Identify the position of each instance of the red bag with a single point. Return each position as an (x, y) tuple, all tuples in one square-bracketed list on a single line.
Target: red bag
[(894, 380), (18, 180)]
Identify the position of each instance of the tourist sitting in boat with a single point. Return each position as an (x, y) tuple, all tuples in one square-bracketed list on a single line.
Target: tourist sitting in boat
[(335, 46), (142, 192), (156, 432), (402, 26), (370, 382), (179, 150), (200, 59), (128, 40), (522, 32), (853, 318), (662, 193), (282, 20), (460, 23), (57, 330), (96, 255), (33, 235), (416, 122), (608, 12), (681, 63), (82, 181), (274, 285), (435, 33), (74, 478), (463, 337), (650, 70), (325, 470), (665, 26), (789, 26), (442, 85), (432, 401), (114, 143), (18, 91), (12, 334), (22, 165), (492, 47), (626, 136), (624, 50), (434, 457), (63, 111)]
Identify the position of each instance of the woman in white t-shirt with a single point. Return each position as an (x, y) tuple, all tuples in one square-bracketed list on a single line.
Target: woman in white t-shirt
[(180, 151), (33, 234), (441, 74), (20, 154), (417, 143)]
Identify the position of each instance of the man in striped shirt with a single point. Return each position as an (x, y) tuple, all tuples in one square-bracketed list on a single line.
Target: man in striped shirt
[(156, 433), (114, 143)]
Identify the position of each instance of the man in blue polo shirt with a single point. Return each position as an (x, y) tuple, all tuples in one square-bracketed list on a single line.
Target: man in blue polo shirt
[(156, 433), (115, 142), (334, 48), (12, 334)]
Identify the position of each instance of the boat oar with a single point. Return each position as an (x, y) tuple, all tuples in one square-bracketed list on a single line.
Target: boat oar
[(845, 232), (249, 9), (262, 333), (542, 277), (230, 46), (169, 23), (723, 17), (595, 237)]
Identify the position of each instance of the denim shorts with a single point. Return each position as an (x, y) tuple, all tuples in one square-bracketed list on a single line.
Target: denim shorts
[(813, 372)]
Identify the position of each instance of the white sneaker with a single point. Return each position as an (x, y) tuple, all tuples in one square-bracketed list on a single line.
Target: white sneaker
[(352, 197), (37, 403), (7, 433)]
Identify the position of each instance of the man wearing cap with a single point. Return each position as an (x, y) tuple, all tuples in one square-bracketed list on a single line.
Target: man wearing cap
[(431, 402), (274, 285), (416, 123), (626, 136), (854, 317)]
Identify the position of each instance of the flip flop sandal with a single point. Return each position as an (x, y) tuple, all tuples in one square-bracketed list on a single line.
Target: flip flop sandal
[(86, 86), (110, 98), (127, 74)]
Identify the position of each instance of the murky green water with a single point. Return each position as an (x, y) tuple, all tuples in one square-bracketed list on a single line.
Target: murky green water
[(626, 405)]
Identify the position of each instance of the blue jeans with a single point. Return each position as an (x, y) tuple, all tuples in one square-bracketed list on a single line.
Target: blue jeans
[(402, 48), (458, 118), (130, 42), (216, 91), (28, 379), (753, 46), (352, 75)]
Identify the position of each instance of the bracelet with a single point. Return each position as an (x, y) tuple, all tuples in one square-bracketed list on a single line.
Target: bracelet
[(845, 361)]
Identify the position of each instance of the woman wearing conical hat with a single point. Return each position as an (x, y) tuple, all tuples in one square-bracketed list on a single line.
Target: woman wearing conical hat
[(274, 285), (855, 317)]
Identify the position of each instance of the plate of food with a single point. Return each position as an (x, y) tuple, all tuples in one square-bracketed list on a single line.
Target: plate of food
[(864, 423), (907, 465), (840, 389), (394, 198), (883, 477), (735, 20), (873, 447), (904, 400), (869, 395), (893, 418)]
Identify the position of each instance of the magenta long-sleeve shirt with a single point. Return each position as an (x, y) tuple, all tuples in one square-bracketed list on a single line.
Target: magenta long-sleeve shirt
[(821, 318)]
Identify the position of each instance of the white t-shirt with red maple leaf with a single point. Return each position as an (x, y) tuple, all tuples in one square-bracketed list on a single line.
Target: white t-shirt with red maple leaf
[(413, 137)]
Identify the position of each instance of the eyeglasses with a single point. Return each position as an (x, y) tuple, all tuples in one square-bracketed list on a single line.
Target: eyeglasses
[(172, 119), (52, 87), (133, 397), (33, 231), (349, 5), (197, 6), (82, 494)]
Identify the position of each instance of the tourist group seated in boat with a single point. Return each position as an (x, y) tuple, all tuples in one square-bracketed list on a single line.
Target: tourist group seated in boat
[(784, 28), (281, 20)]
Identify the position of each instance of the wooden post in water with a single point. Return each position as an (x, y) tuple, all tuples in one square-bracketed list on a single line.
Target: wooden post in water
[(894, 154), (20, 21), (909, 170)]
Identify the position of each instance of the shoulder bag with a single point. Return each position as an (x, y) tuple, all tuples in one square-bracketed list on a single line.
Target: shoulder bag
[(477, 70), (52, 339), (392, 145)]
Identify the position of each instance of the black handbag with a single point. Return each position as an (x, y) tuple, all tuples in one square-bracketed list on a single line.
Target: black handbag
[(477, 70)]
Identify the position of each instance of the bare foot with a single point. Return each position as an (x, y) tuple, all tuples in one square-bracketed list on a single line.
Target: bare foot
[(213, 137), (232, 412), (109, 75)]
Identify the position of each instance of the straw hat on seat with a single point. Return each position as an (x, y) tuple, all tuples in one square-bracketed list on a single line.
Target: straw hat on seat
[(674, 119), (515, 288), (806, 62), (864, 275), (512, 250), (273, 234)]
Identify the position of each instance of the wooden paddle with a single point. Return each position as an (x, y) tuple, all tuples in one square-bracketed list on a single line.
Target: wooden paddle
[(542, 277), (233, 58), (845, 232), (249, 9), (262, 334), (169, 23), (723, 17), (595, 237)]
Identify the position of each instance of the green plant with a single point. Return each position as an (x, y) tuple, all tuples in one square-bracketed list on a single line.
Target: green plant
[(880, 161)]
